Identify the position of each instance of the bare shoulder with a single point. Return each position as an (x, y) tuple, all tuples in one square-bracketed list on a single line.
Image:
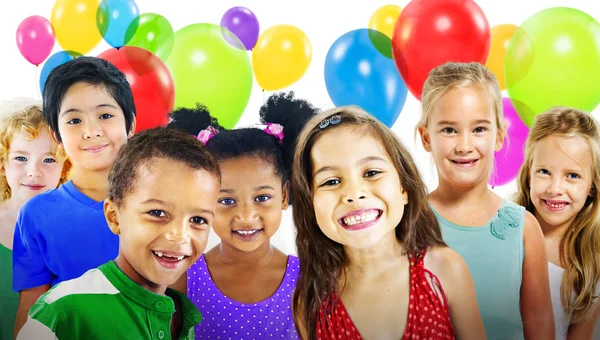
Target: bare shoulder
[(531, 228), (445, 263)]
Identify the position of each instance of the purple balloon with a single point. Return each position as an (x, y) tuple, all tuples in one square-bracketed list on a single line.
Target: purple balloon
[(509, 159), (243, 23)]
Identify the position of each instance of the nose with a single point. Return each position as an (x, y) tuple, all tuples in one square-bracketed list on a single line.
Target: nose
[(555, 187), (178, 232), (93, 129), (246, 213), (464, 143), (354, 192), (34, 170)]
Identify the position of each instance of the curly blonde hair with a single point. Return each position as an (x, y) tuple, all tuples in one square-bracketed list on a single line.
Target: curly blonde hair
[(24, 115)]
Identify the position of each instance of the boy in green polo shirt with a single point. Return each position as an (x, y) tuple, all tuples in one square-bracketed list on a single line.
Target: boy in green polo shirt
[(162, 196)]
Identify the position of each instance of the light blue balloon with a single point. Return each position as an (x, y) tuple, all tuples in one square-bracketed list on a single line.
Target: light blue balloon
[(55, 60), (113, 19), (358, 72)]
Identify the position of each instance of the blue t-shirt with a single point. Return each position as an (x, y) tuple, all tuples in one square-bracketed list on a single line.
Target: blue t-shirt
[(60, 235)]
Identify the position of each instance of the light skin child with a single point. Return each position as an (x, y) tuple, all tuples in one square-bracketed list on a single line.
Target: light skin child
[(162, 217), (244, 265), (462, 136), (353, 172)]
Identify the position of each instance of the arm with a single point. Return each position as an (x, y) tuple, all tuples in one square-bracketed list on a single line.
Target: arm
[(536, 304), (455, 278), (27, 298), (299, 321), (584, 330)]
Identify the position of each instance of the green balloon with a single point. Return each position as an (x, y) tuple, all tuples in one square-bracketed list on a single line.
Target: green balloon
[(151, 32), (210, 65), (553, 59)]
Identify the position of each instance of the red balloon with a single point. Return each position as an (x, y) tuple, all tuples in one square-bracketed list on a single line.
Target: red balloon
[(151, 84), (430, 33)]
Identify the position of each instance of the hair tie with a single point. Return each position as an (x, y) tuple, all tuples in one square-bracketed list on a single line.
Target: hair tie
[(205, 135), (273, 129), (333, 120)]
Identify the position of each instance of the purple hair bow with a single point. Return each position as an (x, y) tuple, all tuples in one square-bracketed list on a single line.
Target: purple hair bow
[(273, 129), (205, 135)]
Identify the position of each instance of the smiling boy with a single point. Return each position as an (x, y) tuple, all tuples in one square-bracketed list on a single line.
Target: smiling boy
[(162, 197)]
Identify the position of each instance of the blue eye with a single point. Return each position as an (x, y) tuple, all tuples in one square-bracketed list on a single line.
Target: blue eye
[(262, 198), (21, 159), (544, 172), (227, 201), (49, 160), (573, 176)]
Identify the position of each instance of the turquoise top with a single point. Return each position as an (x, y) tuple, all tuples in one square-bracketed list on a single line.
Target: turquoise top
[(494, 254)]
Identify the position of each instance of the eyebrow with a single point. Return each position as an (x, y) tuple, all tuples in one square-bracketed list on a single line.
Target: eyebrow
[(449, 122), (157, 201), (360, 162), (78, 110), (258, 188)]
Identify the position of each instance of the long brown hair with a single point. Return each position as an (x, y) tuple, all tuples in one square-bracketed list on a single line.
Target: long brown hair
[(579, 246), (323, 261)]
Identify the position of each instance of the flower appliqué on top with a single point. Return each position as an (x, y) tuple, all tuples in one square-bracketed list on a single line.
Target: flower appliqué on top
[(508, 217)]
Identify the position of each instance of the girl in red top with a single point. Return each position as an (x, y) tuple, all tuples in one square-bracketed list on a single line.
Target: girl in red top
[(372, 260)]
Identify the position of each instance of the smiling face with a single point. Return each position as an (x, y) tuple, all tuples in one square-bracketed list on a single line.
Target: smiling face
[(92, 126), (250, 203), (357, 194), (164, 222), (31, 166), (462, 136), (560, 179)]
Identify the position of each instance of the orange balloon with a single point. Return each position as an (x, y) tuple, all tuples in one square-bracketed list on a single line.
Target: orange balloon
[(500, 36)]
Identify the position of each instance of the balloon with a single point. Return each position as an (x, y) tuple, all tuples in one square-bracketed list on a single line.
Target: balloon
[(35, 39), (74, 23), (384, 19), (207, 69), (243, 23), (114, 17), (432, 33), (356, 73), (508, 161), (281, 57), (55, 60), (151, 31), (552, 60), (151, 84), (500, 36)]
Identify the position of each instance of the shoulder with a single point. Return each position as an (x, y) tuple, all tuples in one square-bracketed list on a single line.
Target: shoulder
[(531, 229), (450, 268)]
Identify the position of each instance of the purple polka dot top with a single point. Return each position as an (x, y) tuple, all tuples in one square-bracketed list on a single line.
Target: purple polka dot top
[(224, 318)]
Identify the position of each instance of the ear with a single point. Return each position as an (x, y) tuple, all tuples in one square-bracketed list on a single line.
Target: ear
[(132, 128), (500, 139), (425, 138), (3, 170), (111, 213), (404, 196), (285, 196)]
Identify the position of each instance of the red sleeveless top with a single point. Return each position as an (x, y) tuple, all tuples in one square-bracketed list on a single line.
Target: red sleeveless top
[(428, 313)]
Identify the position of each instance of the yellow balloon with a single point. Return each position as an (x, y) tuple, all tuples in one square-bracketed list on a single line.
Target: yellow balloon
[(500, 36), (384, 19), (281, 57), (74, 23)]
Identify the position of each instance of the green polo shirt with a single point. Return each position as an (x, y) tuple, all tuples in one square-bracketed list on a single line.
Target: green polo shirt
[(105, 304)]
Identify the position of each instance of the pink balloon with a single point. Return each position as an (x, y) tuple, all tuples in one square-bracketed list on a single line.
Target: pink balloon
[(509, 159), (35, 39)]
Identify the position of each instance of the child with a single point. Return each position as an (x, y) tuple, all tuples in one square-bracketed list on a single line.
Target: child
[(63, 233), (243, 286), (558, 184), (163, 223), (31, 164), (373, 263), (462, 125)]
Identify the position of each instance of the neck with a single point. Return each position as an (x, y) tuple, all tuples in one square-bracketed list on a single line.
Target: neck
[(93, 184), (14, 204), (259, 257), (375, 260), (128, 270), (458, 196)]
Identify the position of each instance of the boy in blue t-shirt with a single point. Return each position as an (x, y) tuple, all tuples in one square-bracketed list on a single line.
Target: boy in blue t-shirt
[(63, 233)]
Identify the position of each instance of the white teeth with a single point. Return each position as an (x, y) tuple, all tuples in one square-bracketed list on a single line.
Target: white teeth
[(362, 218), (180, 258), (246, 232), (556, 205), (158, 253)]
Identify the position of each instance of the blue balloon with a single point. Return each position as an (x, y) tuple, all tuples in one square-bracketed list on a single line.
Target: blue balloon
[(358, 71), (113, 19), (55, 60)]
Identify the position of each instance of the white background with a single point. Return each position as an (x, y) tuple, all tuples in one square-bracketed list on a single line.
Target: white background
[(323, 22)]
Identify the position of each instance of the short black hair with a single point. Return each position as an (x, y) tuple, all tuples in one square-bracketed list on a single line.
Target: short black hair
[(281, 108), (90, 70), (153, 144)]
